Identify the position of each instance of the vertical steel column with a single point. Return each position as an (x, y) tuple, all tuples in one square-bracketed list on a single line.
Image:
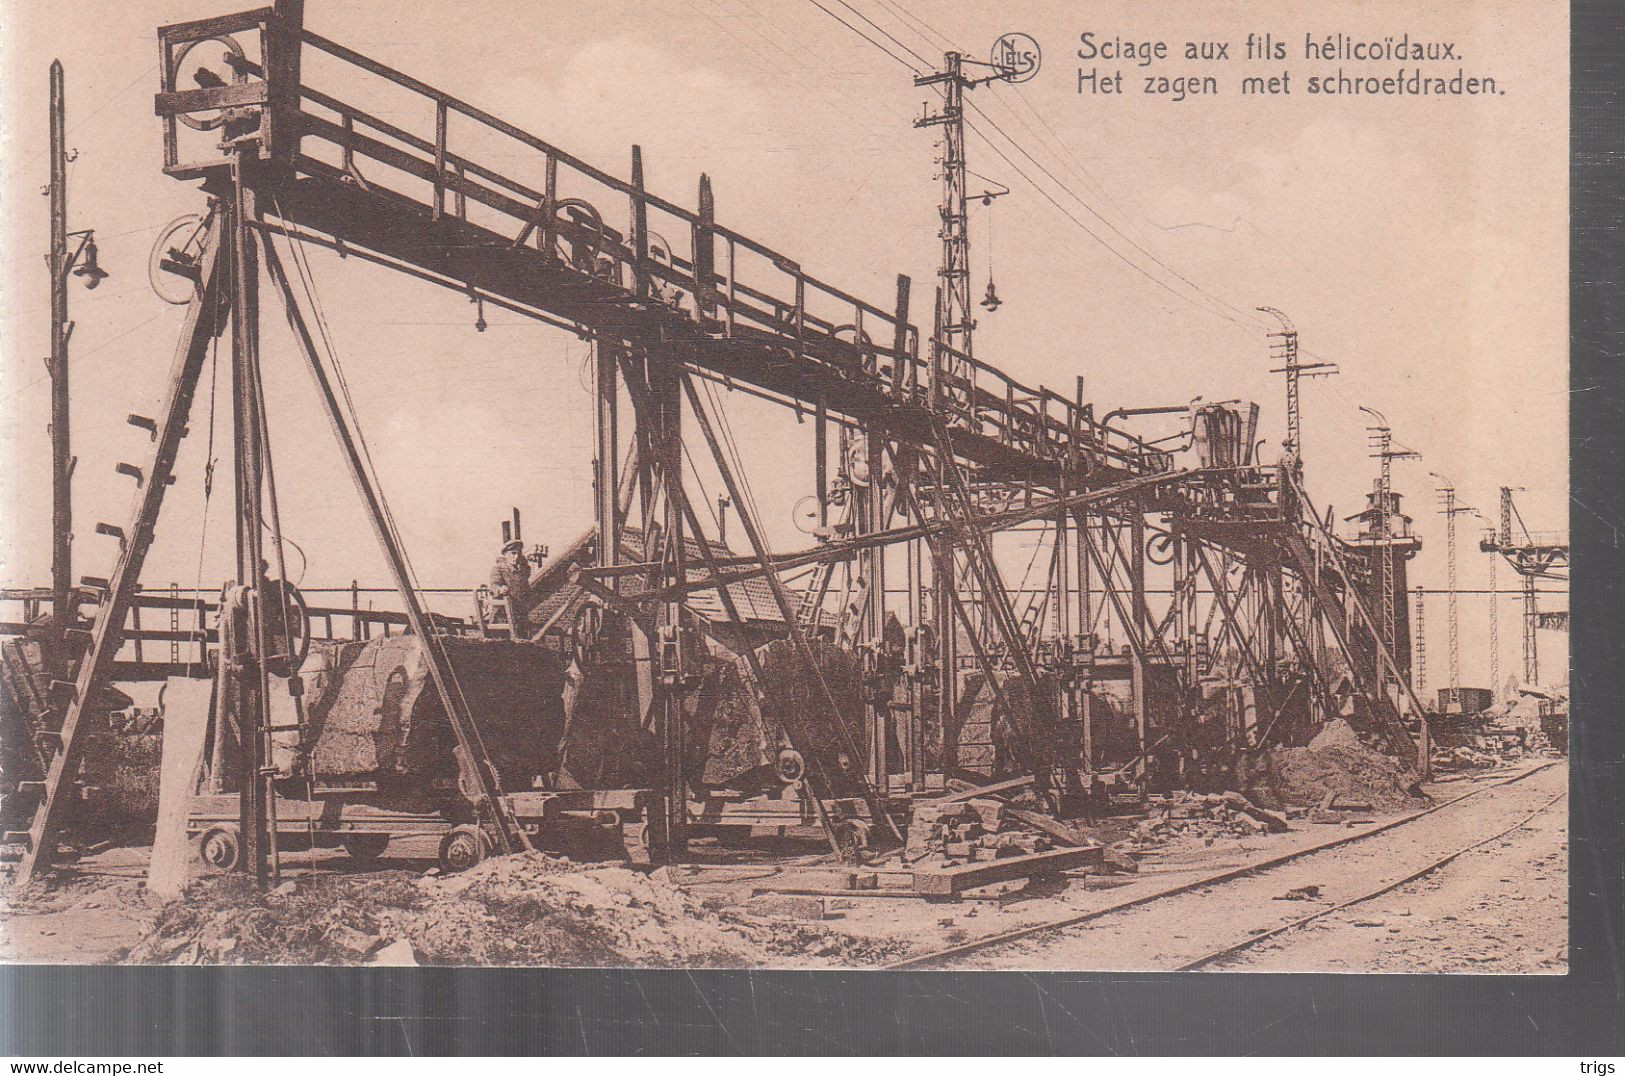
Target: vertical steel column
[(1141, 622), (877, 704), (1086, 627), (606, 469), (821, 462), (665, 388), (253, 679), (1531, 641)]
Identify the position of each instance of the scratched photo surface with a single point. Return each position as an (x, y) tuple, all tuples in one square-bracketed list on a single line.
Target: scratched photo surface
[(785, 483)]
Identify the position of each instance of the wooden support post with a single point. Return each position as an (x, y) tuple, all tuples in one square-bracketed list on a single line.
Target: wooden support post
[(639, 228), (705, 251)]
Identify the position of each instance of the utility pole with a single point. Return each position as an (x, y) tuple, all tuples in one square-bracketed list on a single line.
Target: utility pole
[(1448, 506), (81, 261), (954, 321), (1420, 676), (1382, 445), (1495, 630), (1284, 346)]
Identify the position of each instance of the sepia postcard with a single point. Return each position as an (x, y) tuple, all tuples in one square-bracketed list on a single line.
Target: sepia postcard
[(817, 484)]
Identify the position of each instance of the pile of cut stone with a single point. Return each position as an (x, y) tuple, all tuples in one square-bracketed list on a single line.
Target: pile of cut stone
[(1206, 816), (972, 831)]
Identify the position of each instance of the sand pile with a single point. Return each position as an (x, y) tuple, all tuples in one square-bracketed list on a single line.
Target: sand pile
[(1336, 761), (516, 910)]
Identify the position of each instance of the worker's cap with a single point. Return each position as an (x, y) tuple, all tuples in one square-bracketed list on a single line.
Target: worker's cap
[(516, 546)]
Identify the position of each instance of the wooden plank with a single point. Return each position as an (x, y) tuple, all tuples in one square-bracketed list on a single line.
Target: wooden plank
[(1060, 831), (186, 720), (955, 880), (978, 792), (235, 95)]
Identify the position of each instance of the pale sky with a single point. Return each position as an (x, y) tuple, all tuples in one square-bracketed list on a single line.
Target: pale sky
[(1419, 243)]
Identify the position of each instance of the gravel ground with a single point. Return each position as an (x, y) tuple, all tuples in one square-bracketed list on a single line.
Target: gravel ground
[(1508, 902), (1500, 909)]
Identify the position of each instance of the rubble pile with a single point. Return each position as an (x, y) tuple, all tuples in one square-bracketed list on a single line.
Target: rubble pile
[(1336, 765), (1543, 722), (1204, 816), (977, 830), (528, 909), (1516, 728)]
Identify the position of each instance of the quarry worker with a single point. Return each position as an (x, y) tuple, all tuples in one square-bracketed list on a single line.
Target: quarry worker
[(510, 579)]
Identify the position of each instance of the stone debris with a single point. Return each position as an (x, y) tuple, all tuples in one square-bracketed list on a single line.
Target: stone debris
[(1337, 762), (528, 909), (1204, 816)]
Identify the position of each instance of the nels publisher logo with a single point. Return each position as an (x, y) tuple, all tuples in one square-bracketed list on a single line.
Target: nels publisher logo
[(1017, 53)]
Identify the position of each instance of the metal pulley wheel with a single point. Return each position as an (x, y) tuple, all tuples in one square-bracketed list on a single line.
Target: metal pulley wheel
[(806, 514), (857, 465), (180, 242), (659, 249), (234, 74), (1160, 549), (583, 256), (589, 625), (298, 621)]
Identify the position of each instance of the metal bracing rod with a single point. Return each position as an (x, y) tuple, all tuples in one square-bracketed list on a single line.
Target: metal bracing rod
[(798, 639), (107, 632), (943, 553), (473, 762), (843, 549), (1317, 677), (1104, 570), (1230, 621), (980, 556), (1138, 608), (641, 403)]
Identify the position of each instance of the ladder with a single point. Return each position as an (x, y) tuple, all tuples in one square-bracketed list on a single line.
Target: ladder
[(64, 745)]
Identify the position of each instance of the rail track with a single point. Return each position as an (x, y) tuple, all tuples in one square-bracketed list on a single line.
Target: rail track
[(949, 955)]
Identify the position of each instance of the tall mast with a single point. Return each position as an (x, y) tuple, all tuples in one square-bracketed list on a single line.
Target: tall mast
[(63, 608)]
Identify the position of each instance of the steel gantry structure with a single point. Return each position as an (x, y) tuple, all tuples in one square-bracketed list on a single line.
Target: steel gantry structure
[(1534, 557), (1243, 618)]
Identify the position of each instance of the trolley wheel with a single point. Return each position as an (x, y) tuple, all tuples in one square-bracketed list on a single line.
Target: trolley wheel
[(366, 847), (462, 848), (220, 848)]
